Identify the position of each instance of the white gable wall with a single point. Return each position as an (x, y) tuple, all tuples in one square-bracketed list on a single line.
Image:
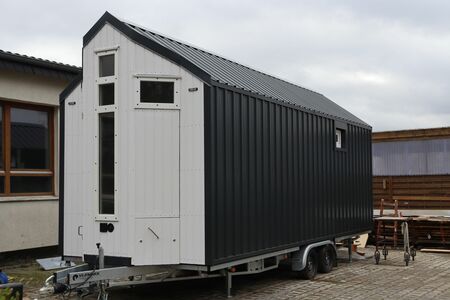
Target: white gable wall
[(74, 161), (131, 130)]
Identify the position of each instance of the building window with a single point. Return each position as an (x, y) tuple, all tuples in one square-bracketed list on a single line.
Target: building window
[(30, 139), (340, 138), (106, 94), (106, 65), (26, 164), (106, 167), (157, 92), (1, 142), (106, 110)]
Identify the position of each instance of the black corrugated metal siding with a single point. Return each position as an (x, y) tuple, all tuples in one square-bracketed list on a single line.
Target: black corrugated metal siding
[(274, 178)]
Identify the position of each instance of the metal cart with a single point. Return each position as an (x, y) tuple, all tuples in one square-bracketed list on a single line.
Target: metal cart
[(381, 239)]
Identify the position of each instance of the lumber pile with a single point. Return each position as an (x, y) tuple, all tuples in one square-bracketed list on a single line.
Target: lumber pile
[(413, 196), (424, 231), (430, 230)]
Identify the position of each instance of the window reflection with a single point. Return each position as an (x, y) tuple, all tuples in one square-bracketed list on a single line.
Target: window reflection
[(30, 142)]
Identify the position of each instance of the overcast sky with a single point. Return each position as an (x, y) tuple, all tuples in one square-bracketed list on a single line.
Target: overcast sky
[(388, 62)]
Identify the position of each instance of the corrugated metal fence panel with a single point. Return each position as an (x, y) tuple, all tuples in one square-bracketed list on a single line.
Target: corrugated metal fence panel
[(274, 178), (417, 157)]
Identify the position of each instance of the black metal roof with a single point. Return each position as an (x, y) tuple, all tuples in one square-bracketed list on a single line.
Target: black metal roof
[(211, 67), (37, 66)]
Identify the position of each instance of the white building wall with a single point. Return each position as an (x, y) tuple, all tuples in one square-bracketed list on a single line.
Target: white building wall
[(73, 174), (31, 221), (134, 59), (30, 88), (28, 224)]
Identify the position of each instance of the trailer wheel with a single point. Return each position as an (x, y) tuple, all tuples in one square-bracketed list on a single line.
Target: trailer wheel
[(406, 258), (413, 253), (325, 259), (377, 257), (310, 270)]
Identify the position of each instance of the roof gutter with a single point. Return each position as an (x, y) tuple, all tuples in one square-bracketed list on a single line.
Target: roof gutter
[(39, 63)]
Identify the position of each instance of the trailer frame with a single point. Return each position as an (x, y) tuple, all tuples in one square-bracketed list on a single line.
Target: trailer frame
[(87, 279)]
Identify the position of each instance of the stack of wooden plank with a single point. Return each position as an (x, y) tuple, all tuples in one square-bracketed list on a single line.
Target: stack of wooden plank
[(430, 230), (424, 231), (418, 196)]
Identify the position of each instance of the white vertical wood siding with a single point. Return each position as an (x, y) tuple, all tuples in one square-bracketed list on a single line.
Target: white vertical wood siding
[(157, 174), (73, 173), (181, 209)]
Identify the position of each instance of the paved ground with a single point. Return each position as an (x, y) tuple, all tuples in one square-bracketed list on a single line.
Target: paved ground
[(426, 278)]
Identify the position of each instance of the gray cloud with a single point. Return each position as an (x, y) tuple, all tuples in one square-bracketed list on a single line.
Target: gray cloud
[(385, 61)]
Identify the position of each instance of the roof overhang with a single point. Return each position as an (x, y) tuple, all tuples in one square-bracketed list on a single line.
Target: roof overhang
[(411, 134), (31, 65)]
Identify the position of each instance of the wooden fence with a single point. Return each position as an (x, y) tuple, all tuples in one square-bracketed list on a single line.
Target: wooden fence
[(427, 192)]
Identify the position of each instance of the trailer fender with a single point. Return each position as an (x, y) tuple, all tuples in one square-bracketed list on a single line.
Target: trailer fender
[(299, 257)]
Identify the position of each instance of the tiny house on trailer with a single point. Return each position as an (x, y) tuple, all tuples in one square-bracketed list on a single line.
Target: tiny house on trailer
[(176, 156)]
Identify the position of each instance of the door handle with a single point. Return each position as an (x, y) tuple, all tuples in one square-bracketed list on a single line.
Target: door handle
[(79, 231)]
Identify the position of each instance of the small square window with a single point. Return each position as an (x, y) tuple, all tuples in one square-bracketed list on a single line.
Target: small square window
[(157, 92), (106, 94), (106, 65), (340, 135)]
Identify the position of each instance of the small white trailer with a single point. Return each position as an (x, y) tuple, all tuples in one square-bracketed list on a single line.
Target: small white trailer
[(173, 156)]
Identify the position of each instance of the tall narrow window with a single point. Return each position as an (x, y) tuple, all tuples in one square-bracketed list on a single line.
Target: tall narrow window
[(106, 163), (107, 106)]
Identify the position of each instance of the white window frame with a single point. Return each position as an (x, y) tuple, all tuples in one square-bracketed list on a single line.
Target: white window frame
[(105, 80), (157, 78), (99, 109)]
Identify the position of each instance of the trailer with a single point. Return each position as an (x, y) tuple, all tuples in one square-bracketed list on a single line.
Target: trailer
[(173, 156)]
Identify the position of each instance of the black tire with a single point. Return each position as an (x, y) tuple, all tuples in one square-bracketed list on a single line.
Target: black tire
[(385, 252), (310, 270), (326, 259), (413, 253), (407, 258), (377, 257)]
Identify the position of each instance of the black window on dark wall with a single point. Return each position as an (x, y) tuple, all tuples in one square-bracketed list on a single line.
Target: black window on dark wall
[(26, 140), (340, 138)]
